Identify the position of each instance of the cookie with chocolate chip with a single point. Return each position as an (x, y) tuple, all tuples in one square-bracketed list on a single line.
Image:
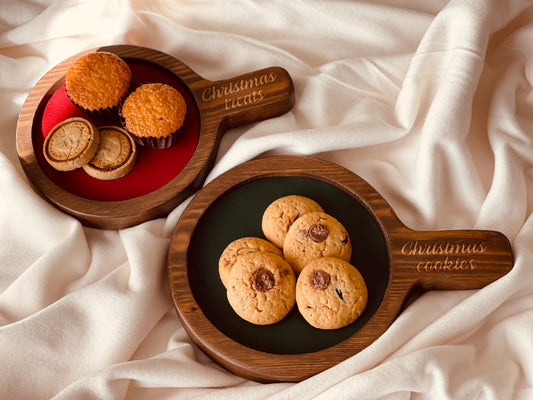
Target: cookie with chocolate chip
[(315, 235), (240, 247), (261, 288), (281, 213), (330, 293)]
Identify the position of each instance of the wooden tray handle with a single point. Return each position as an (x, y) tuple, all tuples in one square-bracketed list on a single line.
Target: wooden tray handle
[(461, 259), (247, 98)]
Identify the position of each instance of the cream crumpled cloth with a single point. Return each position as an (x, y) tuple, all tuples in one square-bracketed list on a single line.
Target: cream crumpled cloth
[(429, 101)]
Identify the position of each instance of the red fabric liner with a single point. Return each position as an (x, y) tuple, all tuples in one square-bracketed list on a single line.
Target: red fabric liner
[(153, 169)]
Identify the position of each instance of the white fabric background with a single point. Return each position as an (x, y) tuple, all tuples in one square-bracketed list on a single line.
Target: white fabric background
[(430, 101)]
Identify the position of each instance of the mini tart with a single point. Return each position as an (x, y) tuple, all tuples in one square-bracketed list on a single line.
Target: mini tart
[(71, 144), (154, 114), (115, 157), (98, 82)]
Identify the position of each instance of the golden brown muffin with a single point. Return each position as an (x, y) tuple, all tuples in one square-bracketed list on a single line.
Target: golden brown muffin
[(153, 114), (98, 82)]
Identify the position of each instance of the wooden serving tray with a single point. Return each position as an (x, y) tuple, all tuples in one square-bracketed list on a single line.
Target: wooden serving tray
[(161, 179), (393, 259)]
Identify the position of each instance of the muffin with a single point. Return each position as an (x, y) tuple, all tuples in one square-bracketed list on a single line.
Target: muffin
[(98, 82), (153, 114)]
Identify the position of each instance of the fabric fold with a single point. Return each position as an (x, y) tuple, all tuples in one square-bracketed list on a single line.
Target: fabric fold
[(428, 101)]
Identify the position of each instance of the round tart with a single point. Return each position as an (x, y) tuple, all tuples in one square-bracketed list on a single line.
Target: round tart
[(116, 154), (71, 144), (98, 82), (153, 114)]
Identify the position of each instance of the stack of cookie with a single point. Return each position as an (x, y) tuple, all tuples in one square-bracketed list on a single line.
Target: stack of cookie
[(305, 261), (104, 153)]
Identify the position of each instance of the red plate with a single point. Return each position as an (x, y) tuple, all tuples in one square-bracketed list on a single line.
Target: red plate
[(161, 179)]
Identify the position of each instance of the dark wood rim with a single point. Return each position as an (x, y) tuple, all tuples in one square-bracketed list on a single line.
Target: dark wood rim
[(215, 118), (490, 251)]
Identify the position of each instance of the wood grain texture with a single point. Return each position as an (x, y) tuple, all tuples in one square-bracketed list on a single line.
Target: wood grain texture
[(221, 105), (464, 259)]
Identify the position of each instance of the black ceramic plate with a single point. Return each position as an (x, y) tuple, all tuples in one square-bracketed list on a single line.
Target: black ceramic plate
[(237, 214), (393, 259)]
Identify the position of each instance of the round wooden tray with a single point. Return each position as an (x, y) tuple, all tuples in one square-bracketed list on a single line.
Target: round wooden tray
[(213, 108), (393, 259)]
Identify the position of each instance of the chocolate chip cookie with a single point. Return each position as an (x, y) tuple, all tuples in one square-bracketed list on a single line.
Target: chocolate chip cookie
[(330, 293), (239, 248), (116, 154), (261, 288), (314, 235), (281, 213)]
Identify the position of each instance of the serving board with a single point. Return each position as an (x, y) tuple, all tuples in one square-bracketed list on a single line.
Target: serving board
[(161, 179), (393, 259)]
